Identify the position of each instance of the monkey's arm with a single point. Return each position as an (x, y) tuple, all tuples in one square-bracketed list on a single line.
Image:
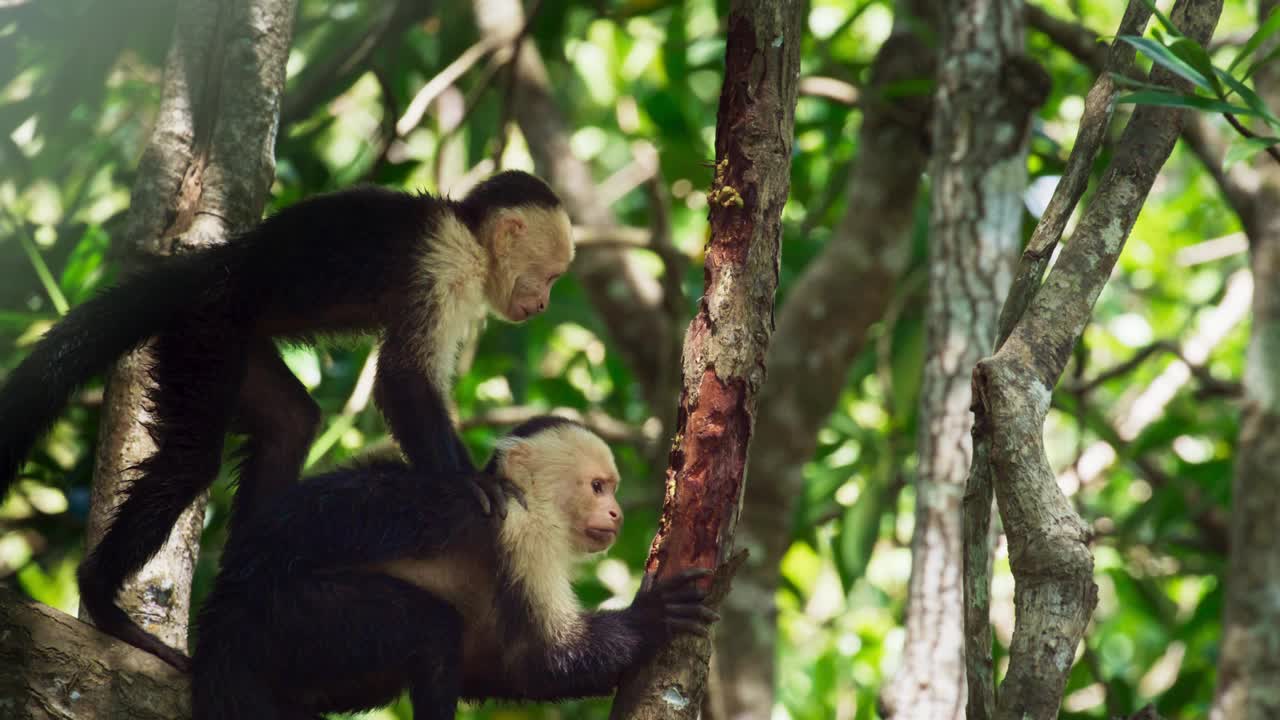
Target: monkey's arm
[(611, 642), (415, 408)]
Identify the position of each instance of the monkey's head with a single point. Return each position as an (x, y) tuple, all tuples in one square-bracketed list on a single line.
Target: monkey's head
[(526, 230), (568, 478)]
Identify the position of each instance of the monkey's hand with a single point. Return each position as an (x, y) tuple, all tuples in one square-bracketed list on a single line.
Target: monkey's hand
[(663, 608), (493, 492)]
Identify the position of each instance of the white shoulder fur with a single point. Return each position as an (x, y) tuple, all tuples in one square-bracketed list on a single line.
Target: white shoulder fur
[(453, 269)]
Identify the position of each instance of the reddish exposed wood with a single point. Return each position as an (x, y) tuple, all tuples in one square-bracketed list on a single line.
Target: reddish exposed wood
[(723, 366)]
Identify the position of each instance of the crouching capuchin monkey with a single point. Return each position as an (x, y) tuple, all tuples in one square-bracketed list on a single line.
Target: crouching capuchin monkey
[(418, 269), (364, 582)]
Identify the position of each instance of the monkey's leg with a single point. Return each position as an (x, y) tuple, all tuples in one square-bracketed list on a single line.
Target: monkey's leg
[(355, 640), (280, 419), (197, 371)]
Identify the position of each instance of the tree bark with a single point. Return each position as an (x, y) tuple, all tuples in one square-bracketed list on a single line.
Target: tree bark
[(1249, 665), (821, 329), (723, 366), (53, 667), (206, 172), (987, 93), (1048, 542)]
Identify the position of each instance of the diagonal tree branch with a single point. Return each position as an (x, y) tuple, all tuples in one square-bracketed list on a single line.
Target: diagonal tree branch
[(1048, 542)]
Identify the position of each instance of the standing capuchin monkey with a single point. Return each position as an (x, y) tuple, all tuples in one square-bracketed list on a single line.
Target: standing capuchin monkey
[(364, 582), (420, 270)]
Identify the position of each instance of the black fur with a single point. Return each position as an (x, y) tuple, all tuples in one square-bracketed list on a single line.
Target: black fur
[(332, 264), (300, 622), (507, 189)]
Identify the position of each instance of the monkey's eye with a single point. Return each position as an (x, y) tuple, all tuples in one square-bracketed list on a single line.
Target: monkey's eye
[(597, 486)]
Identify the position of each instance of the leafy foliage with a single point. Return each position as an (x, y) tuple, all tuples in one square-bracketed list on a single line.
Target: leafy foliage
[(79, 84)]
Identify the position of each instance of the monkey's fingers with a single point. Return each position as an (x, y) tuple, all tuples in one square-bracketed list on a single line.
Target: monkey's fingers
[(689, 626), (514, 491), (692, 611), (684, 596), (482, 496), (683, 579)]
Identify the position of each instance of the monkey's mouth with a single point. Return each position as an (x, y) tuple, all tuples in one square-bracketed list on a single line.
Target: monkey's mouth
[(601, 535)]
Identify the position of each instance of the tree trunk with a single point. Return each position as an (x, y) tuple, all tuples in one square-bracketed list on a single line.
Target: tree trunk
[(53, 667), (1249, 666), (987, 93), (206, 172), (821, 329), (1048, 542), (723, 366)]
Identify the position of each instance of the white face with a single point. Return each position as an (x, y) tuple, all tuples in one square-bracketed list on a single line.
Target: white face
[(532, 248), (573, 470)]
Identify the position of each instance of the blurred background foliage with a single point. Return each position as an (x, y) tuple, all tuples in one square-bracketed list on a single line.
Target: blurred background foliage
[(79, 83)]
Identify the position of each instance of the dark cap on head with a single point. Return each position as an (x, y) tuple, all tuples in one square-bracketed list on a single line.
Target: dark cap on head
[(528, 429), (507, 189)]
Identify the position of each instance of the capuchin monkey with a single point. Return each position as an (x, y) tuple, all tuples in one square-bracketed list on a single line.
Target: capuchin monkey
[(364, 582), (418, 270)]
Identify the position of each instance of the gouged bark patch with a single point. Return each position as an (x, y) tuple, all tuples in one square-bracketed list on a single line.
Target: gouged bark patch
[(736, 184), (708, 469)]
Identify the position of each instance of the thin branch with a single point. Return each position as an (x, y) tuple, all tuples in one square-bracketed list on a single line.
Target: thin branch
[(1247, 133), (1099, 105), (449, 75), (829, 88), (509, 93)]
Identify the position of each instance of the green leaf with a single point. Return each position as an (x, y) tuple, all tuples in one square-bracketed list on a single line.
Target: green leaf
[(1243, 148), (1253, 67), (1264, 31), (1190, 52), (1165, 58), (859, 530), (1195, 102), (1251, 99), (46, 278), (1164, 19)]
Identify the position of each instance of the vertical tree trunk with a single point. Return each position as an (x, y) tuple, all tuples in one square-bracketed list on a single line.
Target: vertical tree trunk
[(987, 92), (1249, 667), (723, 366), (1048, 542), (821, 329), (205, 173)]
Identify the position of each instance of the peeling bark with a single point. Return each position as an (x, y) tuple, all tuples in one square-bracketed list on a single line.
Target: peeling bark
[(723, 365), (821, 329), (206, 171), (1048, 542), (987, 94), (54, 667), (1249, 664)]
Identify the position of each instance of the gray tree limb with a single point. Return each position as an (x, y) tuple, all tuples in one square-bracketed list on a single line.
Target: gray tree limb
[(54, 667), (1048, 542), (1249, 661), (987, 95), (205, 172)]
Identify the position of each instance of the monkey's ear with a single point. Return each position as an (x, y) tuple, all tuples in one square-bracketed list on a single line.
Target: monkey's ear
[(509, 228)]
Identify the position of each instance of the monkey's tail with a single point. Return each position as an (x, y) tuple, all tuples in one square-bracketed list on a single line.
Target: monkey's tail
[(83, 344)]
